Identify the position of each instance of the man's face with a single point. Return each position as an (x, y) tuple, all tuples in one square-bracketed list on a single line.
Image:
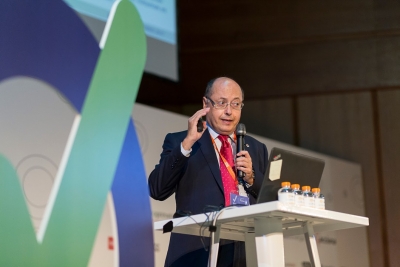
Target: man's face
[(224, 121)]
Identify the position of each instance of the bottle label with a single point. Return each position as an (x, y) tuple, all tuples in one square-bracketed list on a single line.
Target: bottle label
[(299, 200), (320, 203), (309, 202), (286, 198)]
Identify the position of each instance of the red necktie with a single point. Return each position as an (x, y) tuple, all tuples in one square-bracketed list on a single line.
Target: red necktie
[(227, 181)]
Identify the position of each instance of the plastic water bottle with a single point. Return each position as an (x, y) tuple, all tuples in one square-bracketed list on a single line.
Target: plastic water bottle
[(321, 201), (285, 194), (309, 200), (298, 195), (319, 198)]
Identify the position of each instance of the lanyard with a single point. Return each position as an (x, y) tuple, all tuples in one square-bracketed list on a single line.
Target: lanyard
[(229, 167)]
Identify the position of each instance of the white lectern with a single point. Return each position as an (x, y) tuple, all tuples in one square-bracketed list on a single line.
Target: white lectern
[(263, 227)]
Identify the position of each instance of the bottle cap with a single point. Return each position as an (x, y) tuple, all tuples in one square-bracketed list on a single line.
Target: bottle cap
[(295, 186), (305, 188), (316, 190), (285, 184)]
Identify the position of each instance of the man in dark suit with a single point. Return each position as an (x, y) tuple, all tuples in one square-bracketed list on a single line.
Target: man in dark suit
[(194, 166)]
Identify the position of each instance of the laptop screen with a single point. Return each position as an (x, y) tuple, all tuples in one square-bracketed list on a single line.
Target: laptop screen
[(289, 166)]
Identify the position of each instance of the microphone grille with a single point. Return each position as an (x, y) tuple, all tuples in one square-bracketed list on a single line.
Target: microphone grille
[(240, 129)]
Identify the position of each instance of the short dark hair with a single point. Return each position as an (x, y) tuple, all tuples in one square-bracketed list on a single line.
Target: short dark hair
[(209, 87), (210, 84)]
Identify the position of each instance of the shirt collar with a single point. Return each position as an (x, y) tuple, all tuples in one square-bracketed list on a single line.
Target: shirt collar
[(214, 134)]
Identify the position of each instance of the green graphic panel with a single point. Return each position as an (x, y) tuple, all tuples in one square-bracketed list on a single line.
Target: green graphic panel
[(93, 160)]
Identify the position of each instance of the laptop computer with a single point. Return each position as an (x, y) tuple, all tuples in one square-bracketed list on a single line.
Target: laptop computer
[(289, 166)]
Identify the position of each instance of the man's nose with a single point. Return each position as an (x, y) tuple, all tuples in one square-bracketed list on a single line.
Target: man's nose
[(228, 109)]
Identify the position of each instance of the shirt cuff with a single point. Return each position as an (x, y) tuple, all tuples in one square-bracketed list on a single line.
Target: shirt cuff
[(185, 152)]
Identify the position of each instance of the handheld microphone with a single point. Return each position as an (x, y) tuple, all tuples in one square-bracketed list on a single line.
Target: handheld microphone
[(240, 134)]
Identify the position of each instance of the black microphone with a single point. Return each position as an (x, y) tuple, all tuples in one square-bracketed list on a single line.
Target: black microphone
[(240, 134)]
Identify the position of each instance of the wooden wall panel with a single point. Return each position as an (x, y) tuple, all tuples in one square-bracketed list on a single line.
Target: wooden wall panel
[(389, 118), (387, 15), (213, 24), (155, 90), (342, 126), (341, 65), (271, 118), (388, 61), (189, 110), (281, 48), (287, 70)]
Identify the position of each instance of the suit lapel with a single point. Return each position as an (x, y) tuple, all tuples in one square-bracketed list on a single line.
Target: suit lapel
[(207, 148)]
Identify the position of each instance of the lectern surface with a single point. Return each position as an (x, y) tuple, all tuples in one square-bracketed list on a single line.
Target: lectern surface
[(235, 222)]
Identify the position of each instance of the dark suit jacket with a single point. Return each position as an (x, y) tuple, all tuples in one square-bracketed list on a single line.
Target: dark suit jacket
[(196, 182)]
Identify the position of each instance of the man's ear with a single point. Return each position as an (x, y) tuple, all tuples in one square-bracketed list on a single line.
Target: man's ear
[(204, 102)]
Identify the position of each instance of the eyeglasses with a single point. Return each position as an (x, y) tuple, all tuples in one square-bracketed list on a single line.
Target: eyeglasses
[(222, 104)]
